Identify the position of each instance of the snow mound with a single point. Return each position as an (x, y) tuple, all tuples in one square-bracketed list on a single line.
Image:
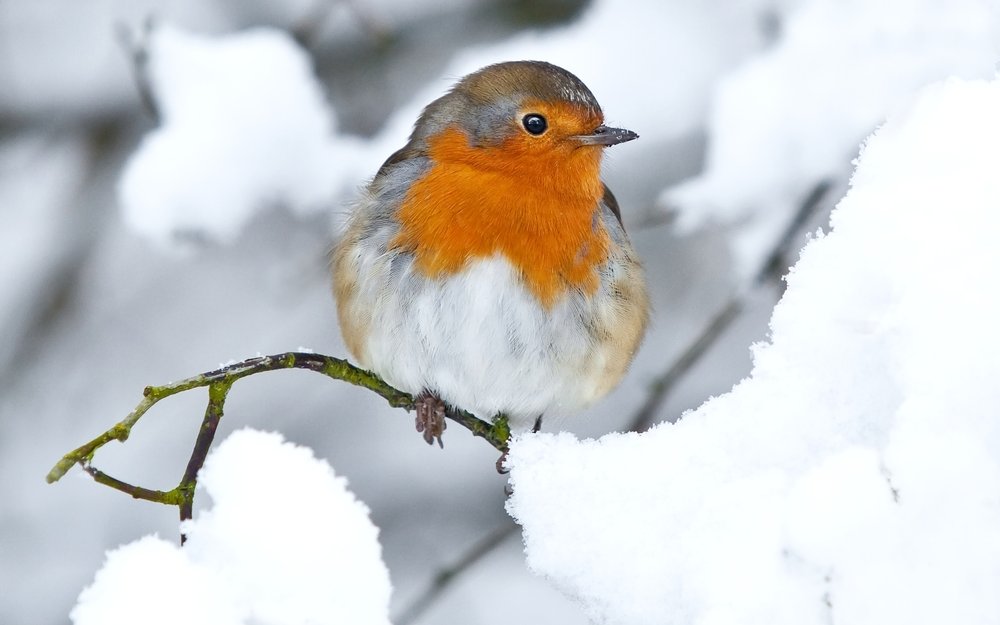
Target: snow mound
[(285, 543), (243, 125), (854, 477)]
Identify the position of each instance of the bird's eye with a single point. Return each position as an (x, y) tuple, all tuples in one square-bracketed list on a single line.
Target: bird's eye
[(534, 123)]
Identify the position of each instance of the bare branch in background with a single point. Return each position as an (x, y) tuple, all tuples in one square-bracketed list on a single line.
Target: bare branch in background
[(447, 576), (135, 42), (660, 389), (777, 262)]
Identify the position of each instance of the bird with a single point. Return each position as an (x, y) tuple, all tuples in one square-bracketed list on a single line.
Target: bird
[(486, 266)]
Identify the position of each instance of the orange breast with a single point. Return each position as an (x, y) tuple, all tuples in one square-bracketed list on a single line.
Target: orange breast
[(535, 203)]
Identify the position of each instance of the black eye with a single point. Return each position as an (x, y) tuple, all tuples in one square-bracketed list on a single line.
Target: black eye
[(534, 123)]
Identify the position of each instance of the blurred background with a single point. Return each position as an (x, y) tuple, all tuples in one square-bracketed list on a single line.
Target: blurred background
[(749, 113)]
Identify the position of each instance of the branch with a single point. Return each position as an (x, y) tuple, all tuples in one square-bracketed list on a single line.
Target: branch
[(665, 382), (776, 263), (135, 42), (219, 382), (217, 393)]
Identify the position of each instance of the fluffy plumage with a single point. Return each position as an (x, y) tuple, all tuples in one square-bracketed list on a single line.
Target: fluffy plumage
[(489, 265)]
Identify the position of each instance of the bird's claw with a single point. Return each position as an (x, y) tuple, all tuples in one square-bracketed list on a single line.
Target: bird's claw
[(430, 417), (502, 470)]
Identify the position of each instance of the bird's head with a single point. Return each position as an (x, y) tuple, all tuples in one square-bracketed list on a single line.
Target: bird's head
[(525, 117)]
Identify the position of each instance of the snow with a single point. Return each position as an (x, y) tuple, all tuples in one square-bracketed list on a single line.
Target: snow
[(244, 125), (284, 543), (854, 477), (792, 116)]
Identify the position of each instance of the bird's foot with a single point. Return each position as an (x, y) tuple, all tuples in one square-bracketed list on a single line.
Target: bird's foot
[(430, 417)]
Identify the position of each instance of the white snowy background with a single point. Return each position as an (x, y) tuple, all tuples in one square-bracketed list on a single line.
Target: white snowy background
[(851, 477)]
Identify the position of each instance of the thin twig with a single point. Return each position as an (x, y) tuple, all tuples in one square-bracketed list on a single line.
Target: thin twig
[(665, 382), (217, 393), (448, 575), (135, 43), (772, 269), (776, 263), (136, 492), (219, 382)]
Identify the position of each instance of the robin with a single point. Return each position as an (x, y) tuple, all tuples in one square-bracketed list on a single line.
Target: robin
[(485, 265)]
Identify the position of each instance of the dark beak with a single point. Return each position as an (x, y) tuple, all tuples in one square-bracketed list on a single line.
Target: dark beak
[(605, 136)]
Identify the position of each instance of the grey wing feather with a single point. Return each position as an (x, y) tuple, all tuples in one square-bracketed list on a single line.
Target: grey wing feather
[(611, 203)]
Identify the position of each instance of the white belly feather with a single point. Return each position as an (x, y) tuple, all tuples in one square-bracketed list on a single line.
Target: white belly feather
[(482, 342)]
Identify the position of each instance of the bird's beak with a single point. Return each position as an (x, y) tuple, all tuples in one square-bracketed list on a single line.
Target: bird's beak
[(605, 136)]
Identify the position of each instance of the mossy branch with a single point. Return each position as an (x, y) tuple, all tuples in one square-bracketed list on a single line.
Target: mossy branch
[(219, 383)]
